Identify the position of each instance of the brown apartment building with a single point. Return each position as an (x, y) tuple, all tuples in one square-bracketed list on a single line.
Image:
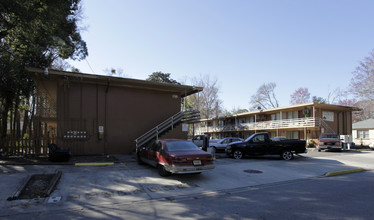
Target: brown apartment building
[(95, 114), (305, 121)]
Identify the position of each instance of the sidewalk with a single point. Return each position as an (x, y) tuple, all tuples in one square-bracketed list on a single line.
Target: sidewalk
[(127, 182)]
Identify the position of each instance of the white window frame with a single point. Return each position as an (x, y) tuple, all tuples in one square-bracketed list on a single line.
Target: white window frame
[(363, 134)]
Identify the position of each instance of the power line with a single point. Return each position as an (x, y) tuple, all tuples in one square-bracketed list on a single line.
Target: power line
[(89, 66)]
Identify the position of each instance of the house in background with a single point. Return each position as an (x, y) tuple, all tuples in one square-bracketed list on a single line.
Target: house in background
[(305, 121), (96, 114), (363, 132)]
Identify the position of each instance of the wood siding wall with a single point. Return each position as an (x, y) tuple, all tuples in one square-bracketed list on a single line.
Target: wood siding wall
[(125, 113)]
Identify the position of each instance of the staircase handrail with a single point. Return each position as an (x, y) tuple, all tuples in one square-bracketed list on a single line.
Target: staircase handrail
[(325, 125), (183, 116)]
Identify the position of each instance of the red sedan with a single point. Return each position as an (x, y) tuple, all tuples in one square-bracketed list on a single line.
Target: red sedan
[(175, 156)]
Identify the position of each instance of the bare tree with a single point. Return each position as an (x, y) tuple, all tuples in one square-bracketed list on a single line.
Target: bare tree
[(234, 111), (366, 112), (336, 96), (362, 82), (300, 96), (347, 102), (265, 97), (207, 102)]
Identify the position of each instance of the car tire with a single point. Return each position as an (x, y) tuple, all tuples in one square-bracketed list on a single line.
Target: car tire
[(287, 155), (238, 154), (139, 160), (162, 171)]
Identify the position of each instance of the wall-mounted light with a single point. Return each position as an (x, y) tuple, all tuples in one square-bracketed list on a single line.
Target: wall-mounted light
[(175, 96)]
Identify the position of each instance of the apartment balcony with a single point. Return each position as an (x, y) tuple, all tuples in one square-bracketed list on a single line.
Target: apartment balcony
[(267, 125)]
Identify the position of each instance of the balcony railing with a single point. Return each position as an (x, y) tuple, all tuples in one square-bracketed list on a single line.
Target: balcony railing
[(265, 125)]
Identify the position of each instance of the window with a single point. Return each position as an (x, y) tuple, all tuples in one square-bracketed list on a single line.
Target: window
[(329, 136), (226, 141), (364, 134), (291, 115), (181, 146), (275, 116), (259, 138), (292, 135)]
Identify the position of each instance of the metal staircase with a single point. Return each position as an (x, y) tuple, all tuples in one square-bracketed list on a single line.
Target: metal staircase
[(167, 125), (326, 126)]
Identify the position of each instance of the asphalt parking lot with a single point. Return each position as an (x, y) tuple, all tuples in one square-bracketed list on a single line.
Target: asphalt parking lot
[(126, 182)]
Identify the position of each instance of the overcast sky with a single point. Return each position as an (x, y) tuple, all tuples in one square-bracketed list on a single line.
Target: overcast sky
[(315, 44)]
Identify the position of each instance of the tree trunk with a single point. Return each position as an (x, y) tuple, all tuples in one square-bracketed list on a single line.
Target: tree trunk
[(25, 122), (4, 124), (18, 124), (32, 116)]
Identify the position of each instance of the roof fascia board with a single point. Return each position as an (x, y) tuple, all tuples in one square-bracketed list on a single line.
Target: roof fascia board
[(183, 90)]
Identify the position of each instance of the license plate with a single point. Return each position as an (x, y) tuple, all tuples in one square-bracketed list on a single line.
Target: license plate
[(197, 162)]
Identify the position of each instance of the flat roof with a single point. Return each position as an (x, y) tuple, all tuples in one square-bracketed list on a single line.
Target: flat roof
[(183, 90), (290, 107), (304, 105)]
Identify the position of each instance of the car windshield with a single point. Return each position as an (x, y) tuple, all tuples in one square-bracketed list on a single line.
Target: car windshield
[(329, 136), (181, 146)]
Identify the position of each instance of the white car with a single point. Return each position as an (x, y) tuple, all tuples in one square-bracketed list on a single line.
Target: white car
[(372, 145), (221, 145)]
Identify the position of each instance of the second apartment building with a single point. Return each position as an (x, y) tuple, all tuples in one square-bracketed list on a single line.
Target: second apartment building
[(304, 121)]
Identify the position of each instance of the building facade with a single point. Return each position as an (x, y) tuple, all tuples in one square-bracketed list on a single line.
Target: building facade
[(363, 132), (305, 121), (95, 114)]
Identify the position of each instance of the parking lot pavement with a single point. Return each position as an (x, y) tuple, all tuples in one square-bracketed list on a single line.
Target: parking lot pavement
[(127, 182)]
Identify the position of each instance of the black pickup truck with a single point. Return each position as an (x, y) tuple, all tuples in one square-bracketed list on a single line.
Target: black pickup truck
[(261, 144)]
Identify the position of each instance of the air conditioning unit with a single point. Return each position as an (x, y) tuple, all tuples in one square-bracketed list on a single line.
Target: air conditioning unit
[(346, 138), (346, 141)]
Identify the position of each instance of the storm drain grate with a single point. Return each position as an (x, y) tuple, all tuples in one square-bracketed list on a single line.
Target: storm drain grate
[(253, 171)]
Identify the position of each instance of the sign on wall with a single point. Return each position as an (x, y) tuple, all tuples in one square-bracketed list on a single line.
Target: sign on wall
[(328, 116), (184, 127)]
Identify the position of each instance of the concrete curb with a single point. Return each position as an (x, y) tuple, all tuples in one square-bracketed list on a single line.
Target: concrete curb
[(342, 172), (19, 189), (46, 192), (54, 182), (94, 164)]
